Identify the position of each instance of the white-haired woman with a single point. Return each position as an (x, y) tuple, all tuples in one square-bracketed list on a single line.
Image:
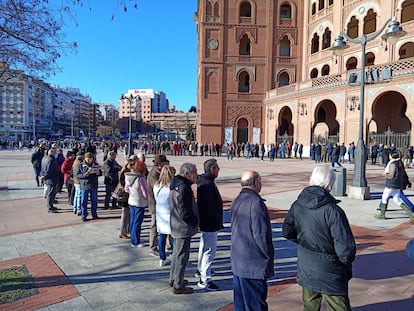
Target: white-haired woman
[(326, 245)]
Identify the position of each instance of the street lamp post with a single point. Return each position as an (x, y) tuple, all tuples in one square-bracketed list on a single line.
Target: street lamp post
[(359, 188), (130, 99)]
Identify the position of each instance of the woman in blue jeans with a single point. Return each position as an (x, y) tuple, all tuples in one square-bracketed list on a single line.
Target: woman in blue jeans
[(162, 208), (136, 186)]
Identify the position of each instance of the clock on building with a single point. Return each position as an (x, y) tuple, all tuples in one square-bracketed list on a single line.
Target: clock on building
[(213, 44)]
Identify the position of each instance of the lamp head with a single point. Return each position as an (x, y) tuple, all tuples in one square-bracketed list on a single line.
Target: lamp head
[(394, 32), (339, 45)]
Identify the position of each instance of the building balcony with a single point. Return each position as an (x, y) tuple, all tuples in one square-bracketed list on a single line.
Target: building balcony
[(396, 69), (245, 20)]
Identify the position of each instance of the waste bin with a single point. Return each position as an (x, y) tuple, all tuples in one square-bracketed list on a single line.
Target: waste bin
[(339, 187)]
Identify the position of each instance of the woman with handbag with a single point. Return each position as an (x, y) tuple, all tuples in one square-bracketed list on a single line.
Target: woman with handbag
[(136, 186), (123, 200)]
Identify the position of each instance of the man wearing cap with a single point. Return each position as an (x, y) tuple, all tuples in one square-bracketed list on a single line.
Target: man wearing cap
[(111, 169), (88, 173), (159, 161), (394, 182)]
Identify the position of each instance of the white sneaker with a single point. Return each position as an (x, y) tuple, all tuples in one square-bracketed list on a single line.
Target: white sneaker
[(165, 262)]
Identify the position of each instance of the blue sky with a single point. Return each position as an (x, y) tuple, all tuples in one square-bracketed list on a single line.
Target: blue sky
[(152, 47)]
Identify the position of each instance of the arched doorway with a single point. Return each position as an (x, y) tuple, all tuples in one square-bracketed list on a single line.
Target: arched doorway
[(285, 129), (242, 130), (389, 123), (326, 127)]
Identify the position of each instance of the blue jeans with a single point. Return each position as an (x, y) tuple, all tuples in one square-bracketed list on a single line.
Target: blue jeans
[(77, 204), (136, 219), (249, 294), (162, 239), (84, 194), (37, 175)]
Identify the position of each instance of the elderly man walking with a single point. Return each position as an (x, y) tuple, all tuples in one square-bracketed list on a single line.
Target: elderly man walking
[(50, 175)]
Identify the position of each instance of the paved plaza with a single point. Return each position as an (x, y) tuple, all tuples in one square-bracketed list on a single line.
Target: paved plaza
[(85, 266)]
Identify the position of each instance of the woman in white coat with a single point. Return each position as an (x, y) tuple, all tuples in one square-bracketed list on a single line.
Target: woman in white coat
[(162, 210)]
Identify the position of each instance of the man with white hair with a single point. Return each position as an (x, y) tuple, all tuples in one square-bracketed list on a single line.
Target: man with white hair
[(326, 245), (252, 252)]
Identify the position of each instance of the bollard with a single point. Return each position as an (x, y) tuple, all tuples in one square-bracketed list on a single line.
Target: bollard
[(339, 187)]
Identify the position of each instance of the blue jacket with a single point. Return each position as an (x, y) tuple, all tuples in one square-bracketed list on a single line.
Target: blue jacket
[(252, 252), (326, 245)]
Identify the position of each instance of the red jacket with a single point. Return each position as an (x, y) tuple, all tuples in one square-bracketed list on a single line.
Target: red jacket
[(66, 168)]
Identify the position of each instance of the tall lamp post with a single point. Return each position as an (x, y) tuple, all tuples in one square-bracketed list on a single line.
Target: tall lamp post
[(130, 99), (359, 188)]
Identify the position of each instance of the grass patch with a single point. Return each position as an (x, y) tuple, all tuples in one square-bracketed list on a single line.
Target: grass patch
[(16, 283)]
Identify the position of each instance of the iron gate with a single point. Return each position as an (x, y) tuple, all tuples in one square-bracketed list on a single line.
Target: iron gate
[(400, 140)]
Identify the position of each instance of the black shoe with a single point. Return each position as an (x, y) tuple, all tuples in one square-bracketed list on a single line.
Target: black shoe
[(84, 219), (96, 217), (74, 211), (208, 285), (183, 290), (171, 283), (52, 211)]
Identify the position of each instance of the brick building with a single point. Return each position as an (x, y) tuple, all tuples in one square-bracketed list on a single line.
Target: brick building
[(267, 74)]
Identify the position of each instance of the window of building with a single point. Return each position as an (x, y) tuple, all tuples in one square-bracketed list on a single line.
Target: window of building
[(209, 8), (244, 82), (216, 9), (352, 27), (244, 46), (285, 11), (351, 63), (321, 5), (407, 50), (326, 41), (407, 11), (314, 8), (370, 22), (284, 47), (330, 2), (325, 70), (283, 79), (369, 59), (315, 43), (314, 73), (245, 9)]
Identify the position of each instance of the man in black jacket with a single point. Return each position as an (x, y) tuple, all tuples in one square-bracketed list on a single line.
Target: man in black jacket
[(111, 169), (210, 209)]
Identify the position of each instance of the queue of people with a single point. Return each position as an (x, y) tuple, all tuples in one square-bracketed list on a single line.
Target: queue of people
[(326, 246)]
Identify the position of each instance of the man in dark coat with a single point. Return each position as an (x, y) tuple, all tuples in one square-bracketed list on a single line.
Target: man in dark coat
[(252, 252), (184, 224), (210, 209), (50, 175), (326, 245), (111, 169)]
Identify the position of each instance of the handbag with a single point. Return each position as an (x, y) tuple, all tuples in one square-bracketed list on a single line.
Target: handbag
[(120, 194)]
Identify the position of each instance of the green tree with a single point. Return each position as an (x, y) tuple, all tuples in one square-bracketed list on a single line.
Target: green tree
[(189, 135), (192, 109)]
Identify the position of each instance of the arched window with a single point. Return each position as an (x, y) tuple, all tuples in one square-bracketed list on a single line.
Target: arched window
[(351, 63), (284, 47), (283, 79), (352, 27), (244, 47), (209, 9), (244, 82), (325, 70), (407, 11), (326, 41), (321, 5), (314, 8), (407, 50), (315, 43), (369, 59), (216, 9), (285, 11), (245, 9), (314, 73), (370, 22)]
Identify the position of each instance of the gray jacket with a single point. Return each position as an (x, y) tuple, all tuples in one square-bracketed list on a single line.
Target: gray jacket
[(184, 212)]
